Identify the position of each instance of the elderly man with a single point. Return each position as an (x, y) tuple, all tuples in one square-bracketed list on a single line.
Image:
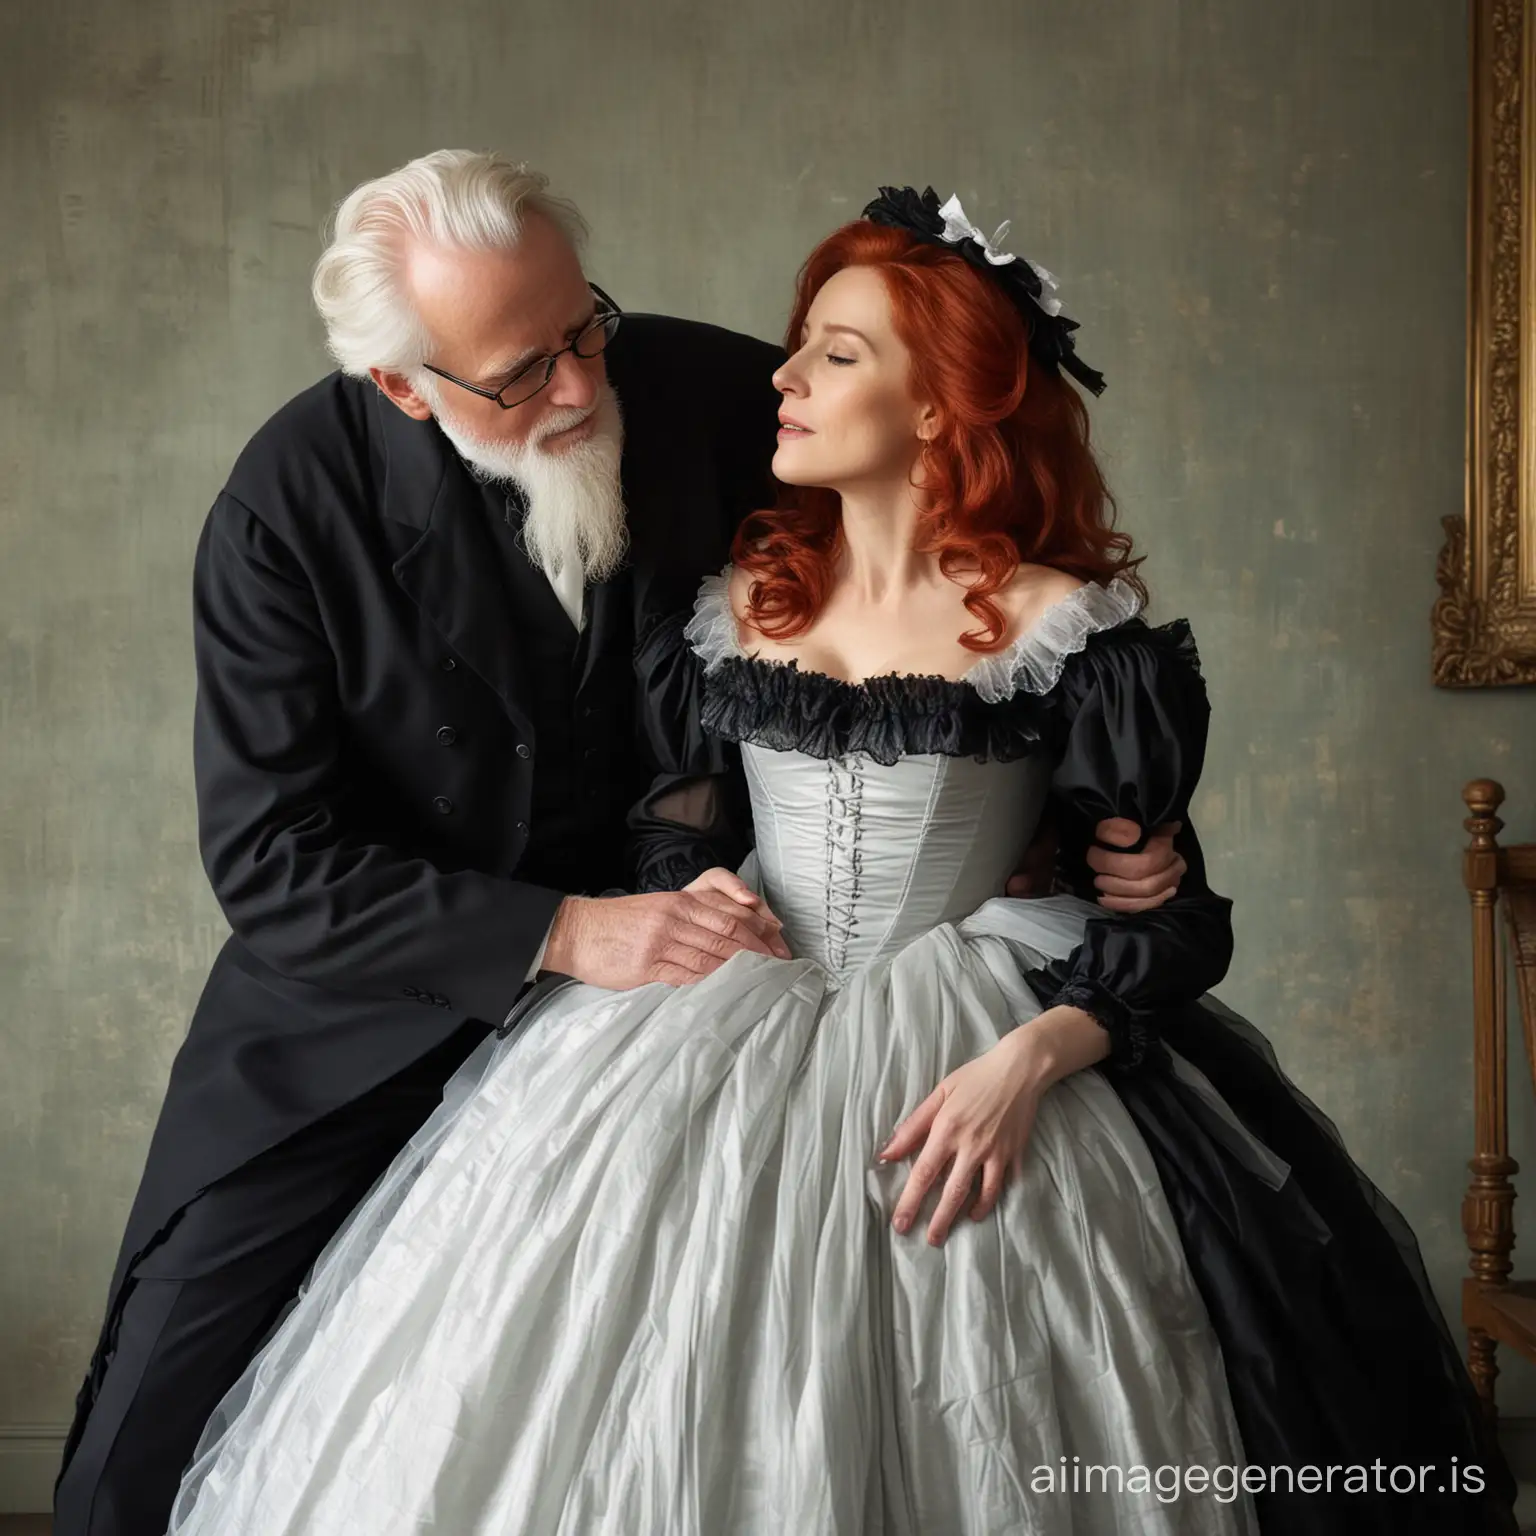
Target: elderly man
[(416, 605)]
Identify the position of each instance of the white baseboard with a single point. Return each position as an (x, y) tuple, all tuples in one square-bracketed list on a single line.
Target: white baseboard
[(29, 1462)]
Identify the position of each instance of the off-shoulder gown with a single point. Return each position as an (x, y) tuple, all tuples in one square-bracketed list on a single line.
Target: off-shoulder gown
[(638, 1275)]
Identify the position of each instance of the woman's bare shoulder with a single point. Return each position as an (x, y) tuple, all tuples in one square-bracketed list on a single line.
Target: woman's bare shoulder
[(1031, 590)]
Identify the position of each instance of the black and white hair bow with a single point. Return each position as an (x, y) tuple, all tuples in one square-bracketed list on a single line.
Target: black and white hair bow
[(1031, 287)]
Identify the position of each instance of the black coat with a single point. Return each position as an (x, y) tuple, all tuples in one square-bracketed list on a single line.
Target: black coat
[(363, 749)]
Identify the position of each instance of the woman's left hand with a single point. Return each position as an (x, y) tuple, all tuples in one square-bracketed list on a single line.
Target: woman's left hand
[(977, 1120), (725, 886)]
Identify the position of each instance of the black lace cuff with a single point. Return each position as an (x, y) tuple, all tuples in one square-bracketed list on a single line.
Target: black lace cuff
[(1132, 1045)]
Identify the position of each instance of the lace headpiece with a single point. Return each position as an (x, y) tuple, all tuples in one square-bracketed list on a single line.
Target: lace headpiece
[(1031, 287)]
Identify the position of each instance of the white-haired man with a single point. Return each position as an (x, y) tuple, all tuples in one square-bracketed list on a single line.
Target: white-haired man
[(417, 604)]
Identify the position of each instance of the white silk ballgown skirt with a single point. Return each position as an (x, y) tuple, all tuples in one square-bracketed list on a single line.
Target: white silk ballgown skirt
[(637, 1276)]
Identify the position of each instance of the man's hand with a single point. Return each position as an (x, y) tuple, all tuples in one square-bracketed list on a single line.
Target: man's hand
[(1126, 882), (673, 936), (1136, 882)]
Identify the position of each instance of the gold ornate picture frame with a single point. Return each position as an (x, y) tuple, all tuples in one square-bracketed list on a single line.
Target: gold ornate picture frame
[(1485, 619)]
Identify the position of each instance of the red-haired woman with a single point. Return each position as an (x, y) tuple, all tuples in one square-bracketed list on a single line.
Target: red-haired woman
[(661, 1264)]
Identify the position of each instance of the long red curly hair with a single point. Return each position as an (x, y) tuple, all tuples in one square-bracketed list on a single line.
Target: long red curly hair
[(1009, 476)]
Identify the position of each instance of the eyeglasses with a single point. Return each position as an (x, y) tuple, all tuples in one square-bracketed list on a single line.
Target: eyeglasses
[(534, 375)]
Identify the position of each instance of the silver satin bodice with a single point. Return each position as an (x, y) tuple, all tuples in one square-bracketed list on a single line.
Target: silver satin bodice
[(858, 858)]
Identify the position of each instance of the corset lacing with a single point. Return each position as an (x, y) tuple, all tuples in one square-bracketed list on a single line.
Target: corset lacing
[(845, 794)]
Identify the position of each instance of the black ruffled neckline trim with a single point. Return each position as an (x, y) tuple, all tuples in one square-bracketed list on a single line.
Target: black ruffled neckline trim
[(776, 705)]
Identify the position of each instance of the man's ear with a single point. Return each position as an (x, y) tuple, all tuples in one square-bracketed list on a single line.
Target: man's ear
[(398, 388)]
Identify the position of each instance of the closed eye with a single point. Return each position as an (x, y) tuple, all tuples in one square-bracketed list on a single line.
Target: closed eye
[(842, 362)]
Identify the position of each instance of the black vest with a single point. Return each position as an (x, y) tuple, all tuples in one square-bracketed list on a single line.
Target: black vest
[(581, 707)]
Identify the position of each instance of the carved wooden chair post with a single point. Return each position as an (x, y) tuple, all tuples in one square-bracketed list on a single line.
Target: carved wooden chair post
[(1496, 1309)]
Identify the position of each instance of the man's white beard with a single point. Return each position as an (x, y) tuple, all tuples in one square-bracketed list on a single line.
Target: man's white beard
[(574, 494)]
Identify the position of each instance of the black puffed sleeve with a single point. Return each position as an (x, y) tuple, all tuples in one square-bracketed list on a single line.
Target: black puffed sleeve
[(1133, 714), (695, 814)]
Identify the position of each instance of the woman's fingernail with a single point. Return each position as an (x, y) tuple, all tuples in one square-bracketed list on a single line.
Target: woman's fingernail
[(902, 1223)]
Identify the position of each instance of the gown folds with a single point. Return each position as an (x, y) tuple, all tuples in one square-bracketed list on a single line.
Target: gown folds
[(637, 1274)]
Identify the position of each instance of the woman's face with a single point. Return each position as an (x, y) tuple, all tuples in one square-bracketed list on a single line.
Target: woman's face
[(848, 416)]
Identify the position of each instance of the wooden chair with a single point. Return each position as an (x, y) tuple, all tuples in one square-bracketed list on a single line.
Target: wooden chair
[(1495, 1308)]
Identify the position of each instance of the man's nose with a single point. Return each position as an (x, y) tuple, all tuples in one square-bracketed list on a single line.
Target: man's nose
[(576, 381)]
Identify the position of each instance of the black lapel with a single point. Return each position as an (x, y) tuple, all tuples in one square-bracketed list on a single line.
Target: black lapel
[(451, 572), (608, 622)]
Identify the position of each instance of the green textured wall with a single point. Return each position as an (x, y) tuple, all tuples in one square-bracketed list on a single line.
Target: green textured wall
[(1255, 210)]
